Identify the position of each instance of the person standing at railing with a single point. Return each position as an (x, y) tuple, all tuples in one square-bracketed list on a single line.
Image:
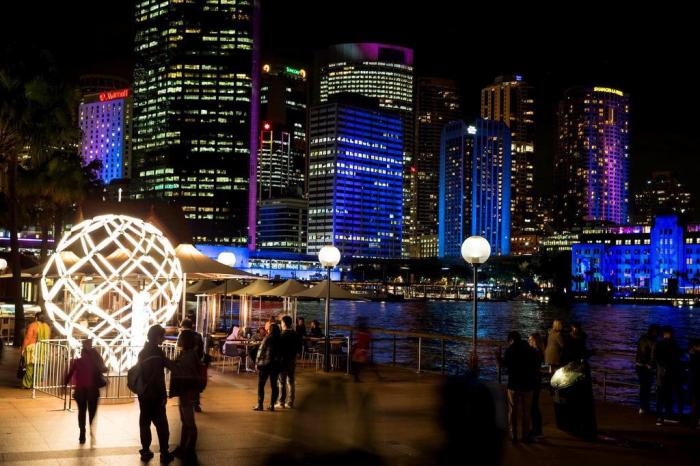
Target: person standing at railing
[(268, 361), (289, 343), (187, 327), (644, 366), (185, 383), (694, 383), (85, 375), (535, 342), (667, 358), (520, 361), (153, 400), (556, 342), (37, 331)]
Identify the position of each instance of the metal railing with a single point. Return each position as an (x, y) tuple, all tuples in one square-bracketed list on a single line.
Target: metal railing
[(53, 359)]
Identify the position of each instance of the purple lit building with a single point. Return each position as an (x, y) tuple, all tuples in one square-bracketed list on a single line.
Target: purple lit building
[(592, 162), (105, 123), (383, 72)]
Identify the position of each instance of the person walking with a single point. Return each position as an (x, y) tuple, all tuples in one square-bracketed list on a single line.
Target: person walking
[(85, 375), (268, 363), (187, 327), (535, 342), (289, 347), (694, 382), (152, 402), (666, 358), (37, 331), (644, 366), (520, 361), (554, 352), (360, 350), (185, 383)]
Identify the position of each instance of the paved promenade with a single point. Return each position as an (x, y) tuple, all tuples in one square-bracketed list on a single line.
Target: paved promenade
[(395, 416)]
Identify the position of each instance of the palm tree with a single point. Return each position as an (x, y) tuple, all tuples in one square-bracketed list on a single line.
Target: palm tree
[(36, 115)]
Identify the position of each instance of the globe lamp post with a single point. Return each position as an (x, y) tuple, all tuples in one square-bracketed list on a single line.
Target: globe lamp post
[(328, 256), (476, 251)]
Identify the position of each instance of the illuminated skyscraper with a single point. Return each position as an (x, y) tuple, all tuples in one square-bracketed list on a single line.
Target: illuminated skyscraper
[(455, 187), (383, 72), (511, 100), (438, 102), (282, 148), (196, 112), (355, 179), (105, 124), (592, 159), (662, 194), (491, 168)]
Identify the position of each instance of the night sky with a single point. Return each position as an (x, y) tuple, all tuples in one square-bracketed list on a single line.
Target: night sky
[(645, 51)]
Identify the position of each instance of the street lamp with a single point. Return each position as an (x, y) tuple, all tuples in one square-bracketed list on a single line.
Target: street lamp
[(3, 264), (227, 258), (328, 256), (475, 250)]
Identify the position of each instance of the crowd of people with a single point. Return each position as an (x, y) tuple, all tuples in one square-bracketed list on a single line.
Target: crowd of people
[(529, 364), (659, 361)]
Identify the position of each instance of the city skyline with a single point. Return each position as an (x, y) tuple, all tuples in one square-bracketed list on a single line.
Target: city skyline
[(290, 32)]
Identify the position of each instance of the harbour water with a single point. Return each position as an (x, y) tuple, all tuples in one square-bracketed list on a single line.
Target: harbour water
[(612, 330)]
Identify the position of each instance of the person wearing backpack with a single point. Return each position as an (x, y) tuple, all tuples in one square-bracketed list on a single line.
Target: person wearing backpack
[(152, 395), (85, 375)]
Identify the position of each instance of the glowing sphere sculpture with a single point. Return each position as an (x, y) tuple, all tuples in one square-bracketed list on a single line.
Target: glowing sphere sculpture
[(110, 279)]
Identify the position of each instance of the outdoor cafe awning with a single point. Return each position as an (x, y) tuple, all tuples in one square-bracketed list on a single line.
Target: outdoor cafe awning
[(286, 290), (196, 265), (201, 286), (228, 287), (257, 288), (69, 259), (320, 291)]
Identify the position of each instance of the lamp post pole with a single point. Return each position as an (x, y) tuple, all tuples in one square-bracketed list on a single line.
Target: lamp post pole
[(475, 250), (474, 363), (326, 324), (328, 256)]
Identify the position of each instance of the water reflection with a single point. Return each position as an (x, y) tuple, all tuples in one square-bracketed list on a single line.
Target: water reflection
[(612, 329)]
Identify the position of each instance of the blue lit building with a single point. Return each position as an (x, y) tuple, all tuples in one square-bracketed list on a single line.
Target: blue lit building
[(491, 166), (355, 179), (639, 258), (273, 264), (105, 123), (454, 192)]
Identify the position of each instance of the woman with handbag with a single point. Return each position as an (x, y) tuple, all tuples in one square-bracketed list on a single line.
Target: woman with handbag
[(85, 375), (186, 384)]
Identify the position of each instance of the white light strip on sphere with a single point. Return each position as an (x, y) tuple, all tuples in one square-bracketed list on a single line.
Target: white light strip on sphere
[(110, 279)]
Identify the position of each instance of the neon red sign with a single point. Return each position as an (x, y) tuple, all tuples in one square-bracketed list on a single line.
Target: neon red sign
[(111, 95)]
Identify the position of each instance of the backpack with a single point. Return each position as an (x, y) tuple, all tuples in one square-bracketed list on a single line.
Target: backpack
[(135, 379)]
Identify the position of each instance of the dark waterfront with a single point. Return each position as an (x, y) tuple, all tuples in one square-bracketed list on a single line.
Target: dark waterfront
[(612, 330)]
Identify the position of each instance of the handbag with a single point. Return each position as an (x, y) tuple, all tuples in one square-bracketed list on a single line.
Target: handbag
[(100, 380), (21, 368)]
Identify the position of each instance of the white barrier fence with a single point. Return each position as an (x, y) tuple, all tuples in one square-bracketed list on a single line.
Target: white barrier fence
[(53, 359)]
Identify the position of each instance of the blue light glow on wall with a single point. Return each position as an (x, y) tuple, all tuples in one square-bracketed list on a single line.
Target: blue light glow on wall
[(454, 196), (491, 165), (356, 181), (640, 259)]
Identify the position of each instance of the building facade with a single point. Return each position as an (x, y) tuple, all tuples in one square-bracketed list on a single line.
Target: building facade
[(652, 258), (662, 194), (196, 113), (283, 143), (355, 180), (511, 101), (455, 187), (105, 125), (282, 224), (437, 103), (383, 72), (592, 160), (491, 189)]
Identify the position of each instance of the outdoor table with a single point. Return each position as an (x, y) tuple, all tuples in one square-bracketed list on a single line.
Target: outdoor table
[(246, 344)]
